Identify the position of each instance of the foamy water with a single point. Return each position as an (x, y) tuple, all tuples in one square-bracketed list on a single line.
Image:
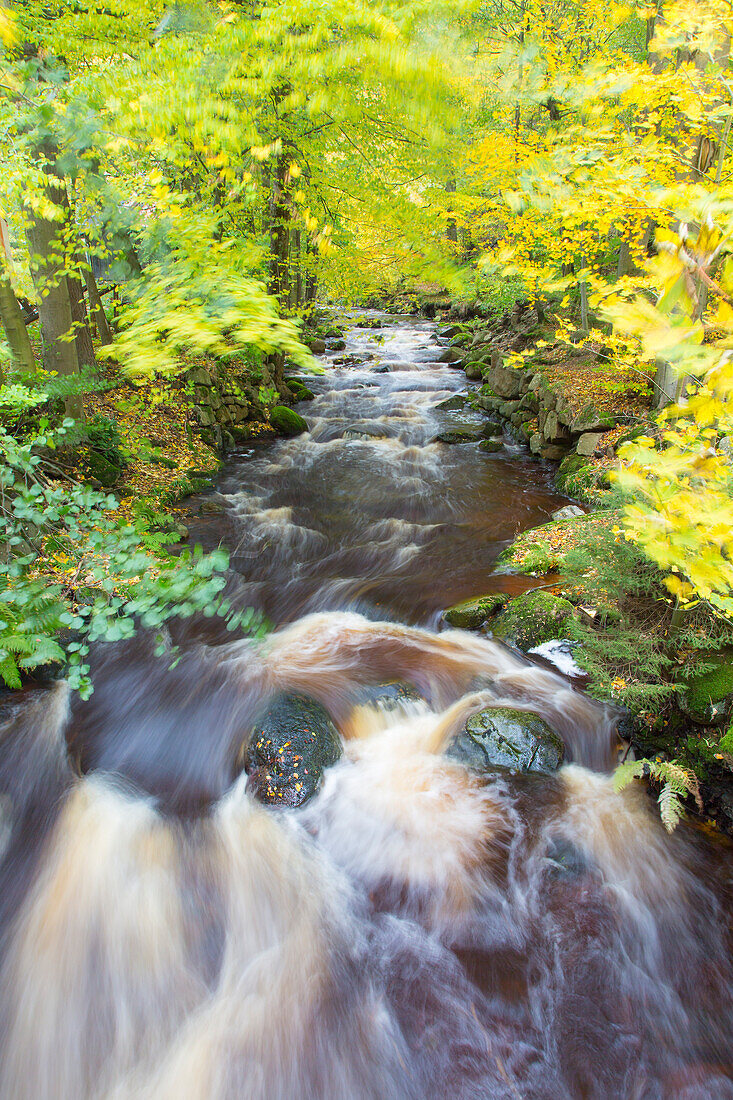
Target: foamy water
[(416, 931)]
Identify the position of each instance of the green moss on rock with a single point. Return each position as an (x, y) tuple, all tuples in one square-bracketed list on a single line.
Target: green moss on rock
[(528, 555), (502, 737), (708, 698), (298, 390), (286, 421), (534, 618), (471, 614)]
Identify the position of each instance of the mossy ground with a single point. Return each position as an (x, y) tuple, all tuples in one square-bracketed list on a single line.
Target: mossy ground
[(544, 549)]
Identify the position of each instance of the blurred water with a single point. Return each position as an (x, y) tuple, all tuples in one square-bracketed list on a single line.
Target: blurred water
[(415, 931)]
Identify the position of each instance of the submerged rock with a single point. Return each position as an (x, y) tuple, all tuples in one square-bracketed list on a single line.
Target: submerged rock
[(286, 421), (534, 618), (289, 749), (502, 737), (394, 695), (471, 614)]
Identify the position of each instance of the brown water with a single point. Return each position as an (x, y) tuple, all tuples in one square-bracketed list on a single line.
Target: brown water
[(415, 931)]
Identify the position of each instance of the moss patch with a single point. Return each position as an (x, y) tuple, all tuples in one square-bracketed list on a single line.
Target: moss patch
[(706, 698), (543, 549), (286, 421), (534, 618), (471, 614)]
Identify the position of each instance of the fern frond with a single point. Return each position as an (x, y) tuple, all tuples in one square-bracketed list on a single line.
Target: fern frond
[(670, 807), (9, 672)]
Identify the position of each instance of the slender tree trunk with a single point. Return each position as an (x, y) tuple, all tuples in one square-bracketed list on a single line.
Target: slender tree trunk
[(96, 307), (624, 259), (279, 232), (451, 229), (583, 286), (82, 335), (47, 250)]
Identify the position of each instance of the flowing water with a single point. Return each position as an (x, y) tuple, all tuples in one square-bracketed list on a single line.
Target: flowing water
[(415, 931)]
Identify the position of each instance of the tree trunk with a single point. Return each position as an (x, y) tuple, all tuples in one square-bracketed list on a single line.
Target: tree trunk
[(48, 269), (96, 307), (15, 330), (451, 229), (11, 315), (624, 259), (82, 335), (583, 285), (279, 233)]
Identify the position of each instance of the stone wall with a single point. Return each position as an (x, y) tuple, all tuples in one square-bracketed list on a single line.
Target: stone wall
[(541, 415), (227, 404)]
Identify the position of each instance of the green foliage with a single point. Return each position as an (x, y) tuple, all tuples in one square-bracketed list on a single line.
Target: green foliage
[(128, 585), (16, 399), (676, 784), (636, 652)]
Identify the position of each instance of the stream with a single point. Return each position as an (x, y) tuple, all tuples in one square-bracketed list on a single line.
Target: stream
[(416, 931)]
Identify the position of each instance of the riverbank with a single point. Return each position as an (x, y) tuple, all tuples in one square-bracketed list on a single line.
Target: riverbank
[(572, 403)]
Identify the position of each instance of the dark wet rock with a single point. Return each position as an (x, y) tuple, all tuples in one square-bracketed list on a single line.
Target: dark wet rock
[(471, 614), (394, 695), (316, 344), (534, 618), (336, 345), (289, 749), (565, 860), (464, 427), (505, 738), (449, 332), (491, 445), (364, 432), (286, 421), (450, 356), (474, 372), (450, 404), (299, 391), (460, 435), (383, 368)]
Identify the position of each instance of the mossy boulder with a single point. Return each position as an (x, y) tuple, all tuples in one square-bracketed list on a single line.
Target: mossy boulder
[(471, 614), (533, 618), (707, 699), (491, 445), (102, 469), (299, 391), (289, 749), (499, 738), (578, 477), (287, 422)]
